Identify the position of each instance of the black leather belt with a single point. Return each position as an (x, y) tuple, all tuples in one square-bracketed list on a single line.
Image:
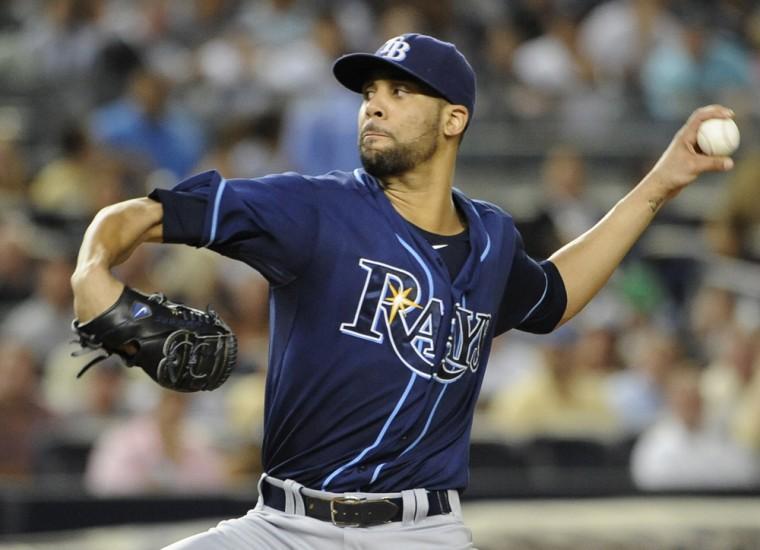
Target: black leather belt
[(349, 511)]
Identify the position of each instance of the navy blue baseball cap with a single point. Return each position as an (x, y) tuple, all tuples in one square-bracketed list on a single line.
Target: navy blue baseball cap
[(435, 63)]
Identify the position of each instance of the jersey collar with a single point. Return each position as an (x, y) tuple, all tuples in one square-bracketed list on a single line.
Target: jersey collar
[(480, 242)]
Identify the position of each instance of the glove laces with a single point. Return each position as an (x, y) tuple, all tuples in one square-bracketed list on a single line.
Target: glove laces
[(88, 344)]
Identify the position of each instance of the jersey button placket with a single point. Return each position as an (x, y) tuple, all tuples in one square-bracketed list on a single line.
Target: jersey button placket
[(447, 341)]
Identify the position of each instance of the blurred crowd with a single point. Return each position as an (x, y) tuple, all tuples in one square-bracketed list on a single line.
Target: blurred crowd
[(103, 100)]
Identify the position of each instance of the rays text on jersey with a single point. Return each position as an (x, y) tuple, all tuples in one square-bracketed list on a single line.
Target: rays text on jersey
[(393, 310)]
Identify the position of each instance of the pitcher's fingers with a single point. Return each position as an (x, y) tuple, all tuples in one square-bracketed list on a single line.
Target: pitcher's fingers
[(705, 163), (707, 112)]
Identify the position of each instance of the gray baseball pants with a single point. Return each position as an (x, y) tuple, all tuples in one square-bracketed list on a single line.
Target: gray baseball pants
[(269, 528)]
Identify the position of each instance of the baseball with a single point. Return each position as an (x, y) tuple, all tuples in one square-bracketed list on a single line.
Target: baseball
[(718, 137)]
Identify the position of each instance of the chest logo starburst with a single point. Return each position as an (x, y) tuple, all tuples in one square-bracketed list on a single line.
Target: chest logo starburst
[(399, 301)]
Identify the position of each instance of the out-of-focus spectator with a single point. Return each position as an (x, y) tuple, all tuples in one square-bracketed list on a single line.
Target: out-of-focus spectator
[(248, 146), (618, 35), (9, 20), (68, 185), (561, 399), (554, 67), (244, 396), (513, 356), (735, 227), (66, 39), (276, 23), (567, 205), (552, 64), (250, 302), (146, 126), (193, 23), (137, 271), (287, 63), (702, 67), (684, 451), (496, 87), (745, 424), (751, 28), (23, 416), (188, 274), (726, 379), (43, 321), (399, 18), (16, 268), (226, 87), (95, 403), (712, 314), (596, 350), (244, 411), (560, 79), (156, 452), (731, 386), (104, 399), (320, 131), (113, 66), (565, 211), (13, 168), (69, 190), (637, 393)]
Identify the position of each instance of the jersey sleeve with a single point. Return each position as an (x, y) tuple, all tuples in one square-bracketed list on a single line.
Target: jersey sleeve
[(535, 298), (269, 223)]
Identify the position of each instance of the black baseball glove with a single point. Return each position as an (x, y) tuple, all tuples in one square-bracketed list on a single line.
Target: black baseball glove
[(181, 348)]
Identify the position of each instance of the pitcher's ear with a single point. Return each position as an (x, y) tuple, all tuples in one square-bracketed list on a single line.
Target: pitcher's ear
[(455, 120)]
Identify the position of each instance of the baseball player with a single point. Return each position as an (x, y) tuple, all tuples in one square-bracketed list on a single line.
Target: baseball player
[(387, 288)]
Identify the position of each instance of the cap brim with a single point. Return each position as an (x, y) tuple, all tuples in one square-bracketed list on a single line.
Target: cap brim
[(353, 70)]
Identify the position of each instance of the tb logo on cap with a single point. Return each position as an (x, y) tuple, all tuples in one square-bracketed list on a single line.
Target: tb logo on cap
[(395, 49)]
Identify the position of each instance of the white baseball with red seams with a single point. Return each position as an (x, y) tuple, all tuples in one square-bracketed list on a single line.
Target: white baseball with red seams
[(718, 137)]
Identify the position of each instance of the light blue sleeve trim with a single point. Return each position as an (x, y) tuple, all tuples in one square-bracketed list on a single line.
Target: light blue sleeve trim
[(215, 215), (380, 436), (541, 299)]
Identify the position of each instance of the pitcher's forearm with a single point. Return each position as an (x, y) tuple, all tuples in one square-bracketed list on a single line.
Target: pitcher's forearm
[(117, 230), (109, 240), (94, 292), (587, 263)]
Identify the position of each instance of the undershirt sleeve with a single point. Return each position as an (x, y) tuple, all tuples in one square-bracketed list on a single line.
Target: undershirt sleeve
[(535, 297)]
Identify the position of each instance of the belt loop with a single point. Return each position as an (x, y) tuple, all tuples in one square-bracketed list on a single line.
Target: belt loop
[(293, 499), (408, 501), (422, 504), (260, 501), (456, 506)]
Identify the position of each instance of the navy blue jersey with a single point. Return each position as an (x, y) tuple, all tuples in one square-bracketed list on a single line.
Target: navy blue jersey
[(376, 354)]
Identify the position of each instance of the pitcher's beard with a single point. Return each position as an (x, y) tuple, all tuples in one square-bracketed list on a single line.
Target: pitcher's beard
[(401, 158)]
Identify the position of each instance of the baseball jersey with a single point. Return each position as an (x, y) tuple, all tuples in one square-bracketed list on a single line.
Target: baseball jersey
[(376, 353)]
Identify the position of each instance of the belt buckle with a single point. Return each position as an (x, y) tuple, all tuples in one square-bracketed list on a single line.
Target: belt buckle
[(348, 500)]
